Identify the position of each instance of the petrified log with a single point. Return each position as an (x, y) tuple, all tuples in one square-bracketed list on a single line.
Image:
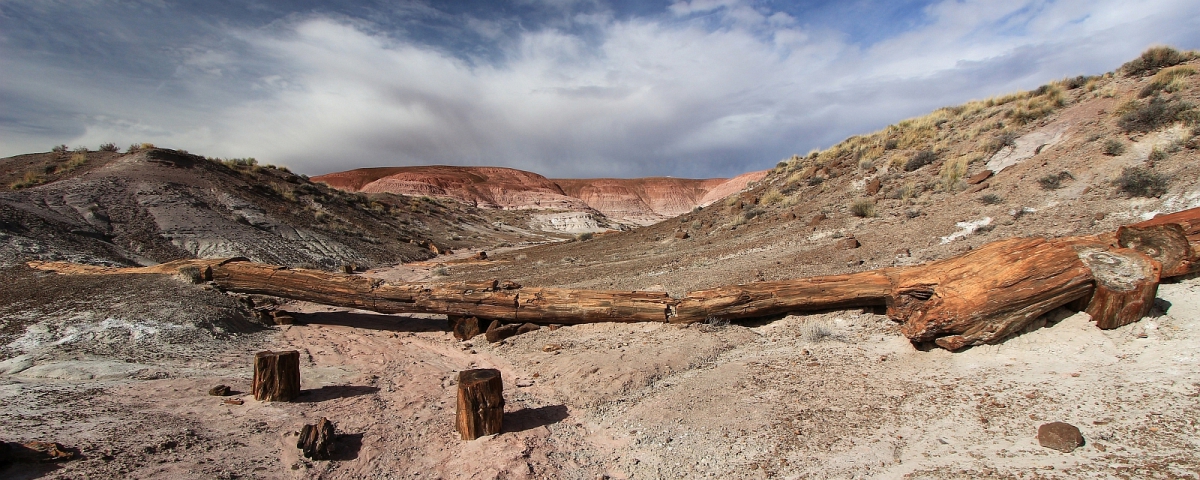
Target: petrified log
[(276, 376), (987, 294), (1126, 283), (316, 440), (463, 328), (497, 331), (761, 299), (1167, 243), (480, 403)]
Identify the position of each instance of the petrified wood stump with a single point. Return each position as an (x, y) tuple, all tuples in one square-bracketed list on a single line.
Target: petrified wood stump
[(276, 376), (316, 441), (464, 328), (1126, 283), (480, 403), (1168, 244)]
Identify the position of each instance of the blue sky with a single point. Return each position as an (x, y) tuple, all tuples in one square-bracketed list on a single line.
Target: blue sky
[(565, 88)]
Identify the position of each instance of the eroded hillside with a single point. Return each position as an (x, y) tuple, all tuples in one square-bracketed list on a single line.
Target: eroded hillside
[(1073, 157)]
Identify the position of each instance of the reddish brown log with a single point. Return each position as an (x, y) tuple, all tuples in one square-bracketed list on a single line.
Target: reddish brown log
[(276, 376), (773, 298), (1167, 243), (1126, 284), (987, 294), (480, 403)]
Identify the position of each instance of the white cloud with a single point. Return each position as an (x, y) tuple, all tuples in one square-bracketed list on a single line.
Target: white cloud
[(664, 96)]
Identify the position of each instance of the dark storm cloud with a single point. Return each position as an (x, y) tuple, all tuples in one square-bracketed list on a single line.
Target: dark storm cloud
[(564, 88)]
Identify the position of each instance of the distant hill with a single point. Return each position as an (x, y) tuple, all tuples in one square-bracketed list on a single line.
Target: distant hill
[(635, 201)]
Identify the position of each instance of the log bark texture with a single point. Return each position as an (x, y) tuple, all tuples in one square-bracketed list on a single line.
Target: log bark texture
[(1126, 284), (987, 294), (480, 403), (276, 376), (773, 298)]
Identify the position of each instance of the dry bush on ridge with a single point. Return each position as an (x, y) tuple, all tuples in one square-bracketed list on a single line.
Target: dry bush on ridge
[(1142, 182), (1155, 59)]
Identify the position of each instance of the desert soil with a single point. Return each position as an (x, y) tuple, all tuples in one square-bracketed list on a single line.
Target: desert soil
[(829, 395)]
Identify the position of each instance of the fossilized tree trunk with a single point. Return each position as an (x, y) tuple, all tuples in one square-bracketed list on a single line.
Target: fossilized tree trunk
[(1126, 284), (987, 294), (772, 298), (277, 376), (480, 403)]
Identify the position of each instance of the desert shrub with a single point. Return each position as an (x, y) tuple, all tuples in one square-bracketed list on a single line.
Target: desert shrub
[(772, 197), (109, 147), (585, 236), (752, 213), (991, 199), (866, 164), (240, 162), (1054, 181), (59, 149), (891, 144), (1070, 83), (1113, 147), (920, 159), (441, 271), (814, 181), (952, 173), (77, 160), (30, 179), (1151, 115), (863, 208), (1006, 138), (816, 331), (1157, 155), (1169, 80), (1155, 59), (1142, 182)]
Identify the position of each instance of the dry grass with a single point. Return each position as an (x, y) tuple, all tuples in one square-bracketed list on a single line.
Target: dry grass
[(1168, 80)]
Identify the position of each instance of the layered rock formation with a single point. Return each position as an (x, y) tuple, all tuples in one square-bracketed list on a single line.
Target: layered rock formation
[(641, 201)]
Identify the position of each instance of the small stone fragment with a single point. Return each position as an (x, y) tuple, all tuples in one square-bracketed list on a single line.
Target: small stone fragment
[(849, 243), (818, 218), (233, 401), (551, 347), (979, 177), (682, 235), (219, 391), (873, 186), (1060, 436), (526, 328)]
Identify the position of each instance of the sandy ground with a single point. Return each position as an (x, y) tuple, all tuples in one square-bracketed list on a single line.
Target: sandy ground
[(830, 395)]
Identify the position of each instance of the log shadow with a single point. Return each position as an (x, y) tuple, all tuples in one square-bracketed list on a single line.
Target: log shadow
[(531, 418), (373, 321), (333, 392), (28, 471), (346, 447)]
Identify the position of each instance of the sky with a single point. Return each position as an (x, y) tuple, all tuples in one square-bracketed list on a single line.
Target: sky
[(564, 88)]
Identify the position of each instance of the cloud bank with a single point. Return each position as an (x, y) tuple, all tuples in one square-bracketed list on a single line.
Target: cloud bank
[(697, 88)]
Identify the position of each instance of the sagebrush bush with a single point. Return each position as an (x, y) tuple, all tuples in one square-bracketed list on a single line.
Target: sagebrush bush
[(60, 149), (1169, 80), (1155, 59), (1054, 181), (585, 236), (772, 197), (863, 208), (1151, 115), (1113, 147), (1157, 155), (991, 199), (109, 147), (30, 179), (920, 159), (813, 181), (1006, 138), (1142, 182)]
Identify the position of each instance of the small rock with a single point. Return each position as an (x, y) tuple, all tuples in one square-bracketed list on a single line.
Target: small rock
[(551, 347), (848, 243), (977, 188), (481, 256), (233, 401), (526, 328), (524, 382), (818, 218), (903, 252), (1060, 436), (219, 391), (873, 186), (682, 235), (979, 177)]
